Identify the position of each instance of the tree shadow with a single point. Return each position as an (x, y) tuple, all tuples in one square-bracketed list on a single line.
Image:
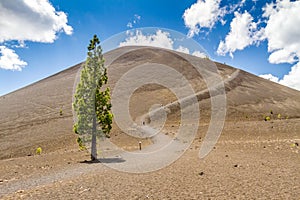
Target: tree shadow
[(111, 160), (104, 160)]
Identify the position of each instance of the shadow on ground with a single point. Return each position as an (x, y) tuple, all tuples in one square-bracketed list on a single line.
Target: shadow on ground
[(104, 160)]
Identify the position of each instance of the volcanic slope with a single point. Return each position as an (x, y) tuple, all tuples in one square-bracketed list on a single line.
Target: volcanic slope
[(41, 114)]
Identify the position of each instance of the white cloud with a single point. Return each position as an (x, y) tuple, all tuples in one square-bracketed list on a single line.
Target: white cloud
[(270, 77), (293, 78), (35, 21), (136, 19), (282, 56), (160, 39), (243, 32), (183, 50), (199, 54), (10, 60), (129, 25), (282, 31), (27, 20), (203, 14)]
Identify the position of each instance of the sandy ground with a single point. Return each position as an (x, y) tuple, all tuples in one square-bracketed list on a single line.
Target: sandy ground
[(250, 164)]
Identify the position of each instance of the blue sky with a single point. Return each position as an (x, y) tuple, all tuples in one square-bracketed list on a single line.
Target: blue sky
[(40, 39)]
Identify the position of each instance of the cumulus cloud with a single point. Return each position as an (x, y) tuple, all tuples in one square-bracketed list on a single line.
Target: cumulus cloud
[(203, 14), (199, 54), (282, 33), (292, 79), (282, 56), (243, 32), (160, 39), (270, 77), (26, 20), (183, 50), (36, 21), (10, 60)]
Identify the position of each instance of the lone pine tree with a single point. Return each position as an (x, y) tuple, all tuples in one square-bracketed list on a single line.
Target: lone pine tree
[(92, 100)]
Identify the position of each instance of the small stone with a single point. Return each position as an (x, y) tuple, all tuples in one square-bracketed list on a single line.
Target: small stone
[(236, 165), (226, 156), (201, 173)]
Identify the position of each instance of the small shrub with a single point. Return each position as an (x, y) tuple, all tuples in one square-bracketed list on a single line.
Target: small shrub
[(267, 118), (279, 116), (38, 151), (60, 112), (271, 112)]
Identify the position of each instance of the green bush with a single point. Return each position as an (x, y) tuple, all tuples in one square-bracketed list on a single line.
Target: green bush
[(38, 151), (279, 116)]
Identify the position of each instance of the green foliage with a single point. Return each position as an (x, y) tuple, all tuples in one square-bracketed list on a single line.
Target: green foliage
[(60, 112), (75, 128), (92, 101), (38, 151), (267, 118), (80, 144)]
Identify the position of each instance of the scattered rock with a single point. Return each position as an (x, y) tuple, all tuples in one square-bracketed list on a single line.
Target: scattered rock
[(226, 156), (85, 190), (20, 191), (297, 144), (201, 173), (236, 165)]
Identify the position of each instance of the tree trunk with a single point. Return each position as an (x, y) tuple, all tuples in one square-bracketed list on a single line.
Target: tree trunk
[(94, 141)]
